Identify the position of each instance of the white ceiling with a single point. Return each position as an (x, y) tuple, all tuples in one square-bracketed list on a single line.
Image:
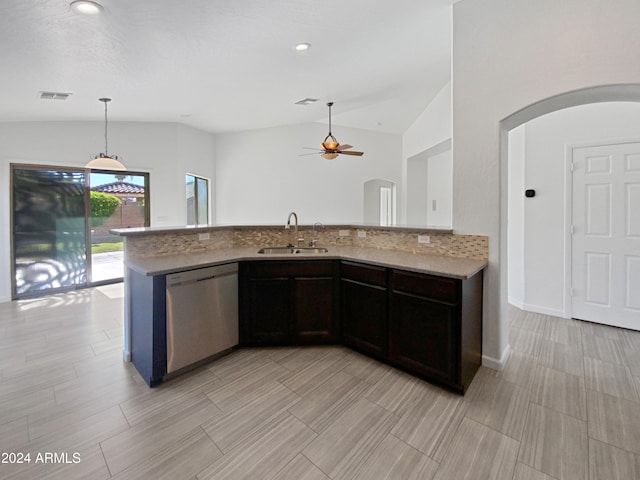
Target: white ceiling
[(226, 65)]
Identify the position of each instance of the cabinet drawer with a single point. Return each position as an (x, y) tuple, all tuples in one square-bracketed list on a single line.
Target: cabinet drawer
[(429, 286), (293, 268), (364, 273)]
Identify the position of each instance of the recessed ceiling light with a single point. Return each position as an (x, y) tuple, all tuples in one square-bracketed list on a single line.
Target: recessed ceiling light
[(301, 47), (86, 7)]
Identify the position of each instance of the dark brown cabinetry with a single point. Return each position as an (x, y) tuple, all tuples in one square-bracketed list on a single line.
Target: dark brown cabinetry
[(428, 325), (435, 326), (364, 308), (288, 302)]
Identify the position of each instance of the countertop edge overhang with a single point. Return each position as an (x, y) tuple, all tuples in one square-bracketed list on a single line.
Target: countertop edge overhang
[(445, 266), (130, 232)]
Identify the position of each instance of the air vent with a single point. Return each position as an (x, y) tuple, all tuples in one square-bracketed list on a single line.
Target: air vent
[(306, 101), (54, 95)]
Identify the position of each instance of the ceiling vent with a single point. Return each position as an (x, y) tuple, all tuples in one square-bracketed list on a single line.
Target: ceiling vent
[(53, 96), (306, 101)]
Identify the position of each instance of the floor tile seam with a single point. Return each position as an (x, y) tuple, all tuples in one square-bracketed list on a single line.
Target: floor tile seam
[(305, 423), (563, 412), (611, 396), (515, 470), (624, 362), (635, 385), (232, 409), (617, 343), (216, 445), (124, 415), (365, 458), (153, 422), (617, 447), (104, 459), (322, 357), (408, 407), (466, 415), (29, 424), (556, 370), (521, 442), (590, 421), (414, 448), (248, 435), (232, 451), (312, 463)]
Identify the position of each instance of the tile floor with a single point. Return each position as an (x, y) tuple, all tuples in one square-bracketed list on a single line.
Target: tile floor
[(565, 407)]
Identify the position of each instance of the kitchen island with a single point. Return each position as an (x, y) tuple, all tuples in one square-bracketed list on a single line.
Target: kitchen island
[(428, 321)]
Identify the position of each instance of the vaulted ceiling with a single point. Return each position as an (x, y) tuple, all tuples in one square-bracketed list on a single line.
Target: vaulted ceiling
[(226, 65)]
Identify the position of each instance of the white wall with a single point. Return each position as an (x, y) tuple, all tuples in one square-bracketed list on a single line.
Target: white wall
[(261, 176), (431, 128), (416, 209), (515, 217), (165, 150), (440, 189), (544, 168), (508, 55)]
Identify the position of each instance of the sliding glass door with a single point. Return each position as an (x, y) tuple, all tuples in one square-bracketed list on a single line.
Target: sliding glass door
[(61, 219), (49, 229)]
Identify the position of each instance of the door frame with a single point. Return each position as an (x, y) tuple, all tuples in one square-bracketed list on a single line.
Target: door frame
[(568, 213)]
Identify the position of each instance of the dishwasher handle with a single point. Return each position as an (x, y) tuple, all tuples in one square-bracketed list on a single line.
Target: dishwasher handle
[(201, 274)]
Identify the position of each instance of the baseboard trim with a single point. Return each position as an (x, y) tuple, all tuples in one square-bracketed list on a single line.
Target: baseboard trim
[(544, 310), (516, 303), (497, 364)]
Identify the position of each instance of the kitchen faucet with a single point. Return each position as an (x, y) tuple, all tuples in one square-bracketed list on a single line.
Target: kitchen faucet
[(295, 232), (314, 240)]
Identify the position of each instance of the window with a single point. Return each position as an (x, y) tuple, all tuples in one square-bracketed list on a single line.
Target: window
[(197, 200)]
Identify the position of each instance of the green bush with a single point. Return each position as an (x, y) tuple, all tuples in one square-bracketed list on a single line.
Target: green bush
[(101, 207)]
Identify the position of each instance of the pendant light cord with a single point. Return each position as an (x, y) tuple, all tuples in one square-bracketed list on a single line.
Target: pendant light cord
[(106, 121)]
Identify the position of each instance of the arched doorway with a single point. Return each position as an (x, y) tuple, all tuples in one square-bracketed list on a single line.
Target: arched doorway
[(599, 94)]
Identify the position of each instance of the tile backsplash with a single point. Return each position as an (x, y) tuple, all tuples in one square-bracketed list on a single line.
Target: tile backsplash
[(439, 243)]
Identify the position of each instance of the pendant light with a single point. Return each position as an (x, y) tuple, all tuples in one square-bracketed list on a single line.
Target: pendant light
[(104, 161)]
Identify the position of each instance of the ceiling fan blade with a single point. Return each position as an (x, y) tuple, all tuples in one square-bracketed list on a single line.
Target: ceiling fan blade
[(313, 148), (357, 154), (346, 146), (314, 153)]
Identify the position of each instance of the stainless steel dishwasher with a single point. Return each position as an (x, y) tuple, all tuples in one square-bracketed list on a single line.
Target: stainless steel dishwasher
[(202, 314)]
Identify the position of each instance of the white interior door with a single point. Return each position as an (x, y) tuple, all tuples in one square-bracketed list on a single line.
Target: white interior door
[(606, 234)]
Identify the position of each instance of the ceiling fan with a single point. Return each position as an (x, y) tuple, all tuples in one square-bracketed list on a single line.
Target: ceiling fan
[(330, 146)]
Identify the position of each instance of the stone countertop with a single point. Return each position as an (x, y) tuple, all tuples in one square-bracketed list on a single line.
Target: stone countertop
[(140, 231), (452, 267)]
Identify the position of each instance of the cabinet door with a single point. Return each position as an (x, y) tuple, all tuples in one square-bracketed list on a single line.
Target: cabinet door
[(364, 317), (423, 337), (269, 312), (314, 317)]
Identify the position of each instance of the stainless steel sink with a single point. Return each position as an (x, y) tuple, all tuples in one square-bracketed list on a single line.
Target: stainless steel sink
[(291, 250)]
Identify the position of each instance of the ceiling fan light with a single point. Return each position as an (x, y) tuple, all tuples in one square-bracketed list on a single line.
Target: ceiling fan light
[(329, 156), (330, 145)]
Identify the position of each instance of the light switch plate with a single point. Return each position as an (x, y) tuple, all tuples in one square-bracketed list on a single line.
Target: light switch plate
[(424, 239), (204, 236)]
